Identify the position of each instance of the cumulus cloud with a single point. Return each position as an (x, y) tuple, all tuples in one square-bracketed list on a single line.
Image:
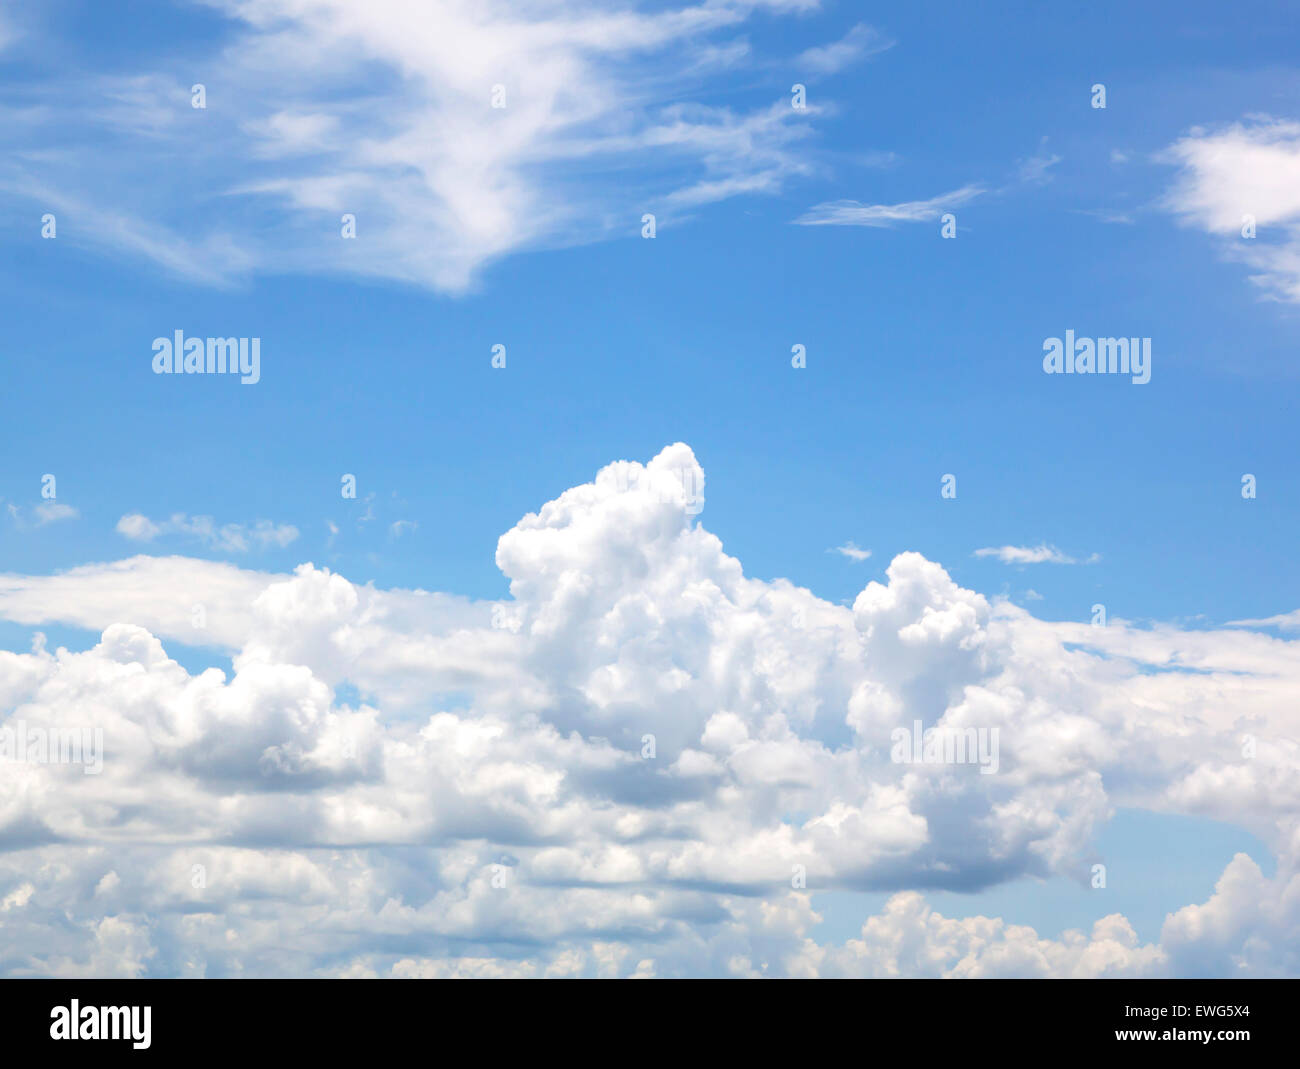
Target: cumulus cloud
[(1237, 174), (615, 770), (138, 528), (228, 538), (909, 939)]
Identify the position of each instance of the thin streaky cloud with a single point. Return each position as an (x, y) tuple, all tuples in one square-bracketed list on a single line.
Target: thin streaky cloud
[(1286, 621), (1037, 170), (855, 213), (229, 538), (1040, 554), (442, 183), (851, 550), (1106, 215), (1034, 171), (53, 511), (859, 43)]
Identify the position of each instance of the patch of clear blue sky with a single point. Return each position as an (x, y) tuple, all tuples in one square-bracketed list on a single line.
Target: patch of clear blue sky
[(924, 355)]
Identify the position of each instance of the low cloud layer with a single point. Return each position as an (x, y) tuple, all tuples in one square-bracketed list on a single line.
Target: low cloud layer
[(621, 769)]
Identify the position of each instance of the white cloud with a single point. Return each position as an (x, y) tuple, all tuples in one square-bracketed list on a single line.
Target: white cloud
[(851, 550), (357, 835), (1287, 621), (228, 538), (1246, 168), (608, 113), (1106, 215), (1036, 170), (17, 898), (908, 938), (858, 43), (1031, 555), (1249, 168), (52, 512), (855, 213), (157, 593), (138, 528)]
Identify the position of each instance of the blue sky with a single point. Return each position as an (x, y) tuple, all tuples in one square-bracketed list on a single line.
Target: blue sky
[(924, 354)]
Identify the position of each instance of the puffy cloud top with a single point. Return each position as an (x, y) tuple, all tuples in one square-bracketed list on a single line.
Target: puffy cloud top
[(642, 762)]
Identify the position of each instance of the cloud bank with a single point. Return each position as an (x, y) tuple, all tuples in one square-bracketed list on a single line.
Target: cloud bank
[(642, 762)]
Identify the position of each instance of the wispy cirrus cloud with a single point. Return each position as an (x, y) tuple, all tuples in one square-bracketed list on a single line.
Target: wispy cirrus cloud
[(1106, 215), (1040, 554), (1032, 171), (855, 213), (46, 512), (1037, 169), (384, 109), (228, 538), (859, 43), (53, 511), (1285, 621), (851, 550)]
